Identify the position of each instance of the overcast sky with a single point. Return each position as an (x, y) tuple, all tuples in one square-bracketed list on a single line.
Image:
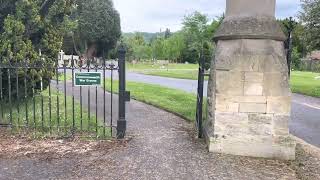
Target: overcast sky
[(153, 15)]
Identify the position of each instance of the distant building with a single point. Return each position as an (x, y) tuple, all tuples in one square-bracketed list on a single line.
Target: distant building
[(314, 56), (311, 62)]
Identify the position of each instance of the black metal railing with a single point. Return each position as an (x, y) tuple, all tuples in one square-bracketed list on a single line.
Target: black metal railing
[(200, 96), (42, 97)]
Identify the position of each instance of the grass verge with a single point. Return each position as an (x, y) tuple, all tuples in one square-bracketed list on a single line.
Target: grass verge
[(172, 100), (180, 71), (180, 74), (46, 115), (305, 83)]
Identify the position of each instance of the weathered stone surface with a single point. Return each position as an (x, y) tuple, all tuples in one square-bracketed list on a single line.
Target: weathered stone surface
[(227, 107), (260, 130), (248, 27), (281, 125), (260, 124), (264, 146), (256, 77), (252, 108), (229, 82), (224, 104), (251, 99), (285, 141), (241, 7), (279, 105), (242, 99), (249, 19), (260, 119), (231, 124), (253, 89), (248, 93), (276, 84), (251, 55), (232, 118)]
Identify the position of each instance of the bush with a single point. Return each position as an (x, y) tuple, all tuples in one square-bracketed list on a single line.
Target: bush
[(24, 80)]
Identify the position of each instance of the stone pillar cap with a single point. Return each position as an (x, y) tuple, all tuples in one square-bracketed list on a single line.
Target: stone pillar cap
[(250, 8), (250, 19)]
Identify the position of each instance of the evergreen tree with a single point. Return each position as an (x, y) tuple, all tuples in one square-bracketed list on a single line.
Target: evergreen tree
[(26, 27), (310, 16), (98, 28)]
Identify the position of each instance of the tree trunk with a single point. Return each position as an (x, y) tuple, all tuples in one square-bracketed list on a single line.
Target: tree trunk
[(91, 51), (75, 46)]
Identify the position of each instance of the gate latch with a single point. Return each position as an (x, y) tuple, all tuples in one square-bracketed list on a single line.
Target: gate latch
[(127, 96)]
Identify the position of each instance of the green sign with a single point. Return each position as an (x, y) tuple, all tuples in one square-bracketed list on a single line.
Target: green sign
[(87, 78)]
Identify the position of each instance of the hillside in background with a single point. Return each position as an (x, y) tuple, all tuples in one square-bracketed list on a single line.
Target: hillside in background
[(146, 35)]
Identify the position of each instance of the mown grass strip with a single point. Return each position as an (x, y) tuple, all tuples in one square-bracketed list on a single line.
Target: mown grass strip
[(54, 126), (306, 83)]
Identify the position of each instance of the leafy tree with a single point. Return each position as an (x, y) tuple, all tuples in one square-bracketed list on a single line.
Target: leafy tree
[(182, 46), (310, 17), (98, 28), (299, 47), (158, 48), (174, 46), (6, 7), (195, 27), (212, 28), (198, 35), (137, 48), (26, 27)]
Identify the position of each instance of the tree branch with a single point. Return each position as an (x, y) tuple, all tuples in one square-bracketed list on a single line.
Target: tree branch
[(45, 5)]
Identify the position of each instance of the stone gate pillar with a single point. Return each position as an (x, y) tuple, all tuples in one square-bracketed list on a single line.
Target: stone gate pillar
[(249, 95)]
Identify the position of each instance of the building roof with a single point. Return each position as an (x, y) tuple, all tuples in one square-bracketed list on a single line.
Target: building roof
[(314, 55)]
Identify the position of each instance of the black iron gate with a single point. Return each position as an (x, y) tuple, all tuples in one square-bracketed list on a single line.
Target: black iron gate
[(200, 96), (64, 98)]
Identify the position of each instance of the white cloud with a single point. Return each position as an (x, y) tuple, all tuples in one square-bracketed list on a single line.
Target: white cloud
[(153, 15)]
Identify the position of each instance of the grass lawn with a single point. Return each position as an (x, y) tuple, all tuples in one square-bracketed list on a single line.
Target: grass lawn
[(61, 76), (305, 83), (181, 71), (175, 101), (54, 124), (180, 74)]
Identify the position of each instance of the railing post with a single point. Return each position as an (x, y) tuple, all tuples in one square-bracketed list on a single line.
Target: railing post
[(200, 97), (123, 95), (290, 28)]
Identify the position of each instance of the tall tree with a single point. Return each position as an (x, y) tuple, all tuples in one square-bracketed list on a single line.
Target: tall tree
[(310, 16), (198, 34), (30, 25), (98, 27), (195, 26), (299, 49), (182, 46)]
